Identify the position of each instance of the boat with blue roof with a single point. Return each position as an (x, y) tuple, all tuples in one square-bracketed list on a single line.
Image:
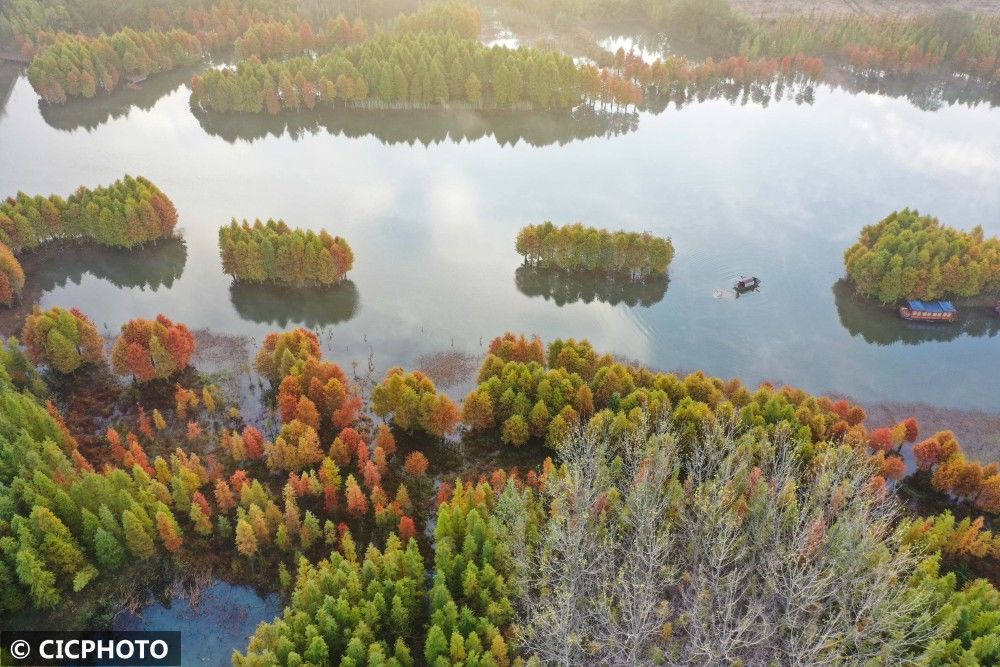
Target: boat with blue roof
[(928, 311)]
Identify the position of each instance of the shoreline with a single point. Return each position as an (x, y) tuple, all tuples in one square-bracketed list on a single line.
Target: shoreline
[(455, 373)]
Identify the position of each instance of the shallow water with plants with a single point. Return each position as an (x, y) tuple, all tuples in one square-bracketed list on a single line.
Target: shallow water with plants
[(213, 623)]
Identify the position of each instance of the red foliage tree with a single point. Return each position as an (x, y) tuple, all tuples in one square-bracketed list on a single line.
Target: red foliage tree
[(406, 529), (357, 504), (881, 439), (253, 441)]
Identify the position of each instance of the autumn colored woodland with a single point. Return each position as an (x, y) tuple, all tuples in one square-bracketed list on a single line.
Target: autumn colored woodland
[(329, 478), (390, 500), (77, 65)]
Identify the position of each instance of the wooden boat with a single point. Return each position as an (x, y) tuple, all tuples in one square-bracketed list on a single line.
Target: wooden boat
[(746, 284), (928, 311)]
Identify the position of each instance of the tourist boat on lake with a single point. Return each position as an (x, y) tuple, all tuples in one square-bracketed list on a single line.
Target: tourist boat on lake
[(928, 311), (746, 284)]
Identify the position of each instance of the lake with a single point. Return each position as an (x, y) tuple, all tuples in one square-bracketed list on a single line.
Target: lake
[(431, 203)]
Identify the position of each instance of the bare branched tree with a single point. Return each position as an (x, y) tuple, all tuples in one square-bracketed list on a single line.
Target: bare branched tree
[(742, 553)]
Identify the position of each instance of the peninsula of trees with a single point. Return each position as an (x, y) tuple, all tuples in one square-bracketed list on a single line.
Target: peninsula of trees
[(274, 252), (578, 248), (80, 66), (126, 214), (913, 256), (395, 71)]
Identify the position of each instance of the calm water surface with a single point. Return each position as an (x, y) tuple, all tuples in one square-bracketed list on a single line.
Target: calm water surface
[(431, 204), (221, 621)]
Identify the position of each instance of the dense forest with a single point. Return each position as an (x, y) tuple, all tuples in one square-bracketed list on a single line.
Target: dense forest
[(304, 64), (128, 213), (574, 508), (427, 70), (906, 45), (277, 39), (274, 252), (28, 23), (330, 505), (578, 248), (907, 255)]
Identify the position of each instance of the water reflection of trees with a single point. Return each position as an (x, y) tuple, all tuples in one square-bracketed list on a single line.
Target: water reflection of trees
[(760, 93), (542, 128), (881, 325), (92, 113), (426, 127), (153, 266), (564, 287), (9, 74), (927, 92), (284, 306)]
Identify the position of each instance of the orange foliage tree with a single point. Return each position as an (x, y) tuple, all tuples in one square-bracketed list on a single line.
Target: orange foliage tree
[(152, 349), (953, 474)]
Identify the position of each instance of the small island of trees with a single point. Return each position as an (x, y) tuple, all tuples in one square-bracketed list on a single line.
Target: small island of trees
[(578, 248), (274, 252), (129, 213), (913, 256)]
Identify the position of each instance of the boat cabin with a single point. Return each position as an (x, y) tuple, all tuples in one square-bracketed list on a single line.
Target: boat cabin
[(928, 311), (746, 284)]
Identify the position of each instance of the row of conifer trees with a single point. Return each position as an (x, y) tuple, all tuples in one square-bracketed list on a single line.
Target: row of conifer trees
[(273, 252)]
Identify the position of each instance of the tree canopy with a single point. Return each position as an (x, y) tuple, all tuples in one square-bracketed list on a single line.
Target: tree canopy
[(913, 256), (274, 252), (62, 339), (80, 66), (578, 248)]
